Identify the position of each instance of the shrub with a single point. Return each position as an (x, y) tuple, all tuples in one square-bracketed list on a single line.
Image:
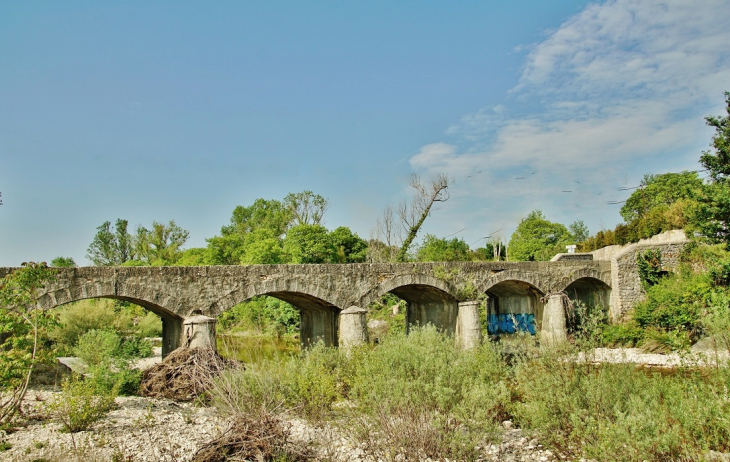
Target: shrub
[(421, 396), (626, 334), (75, 319), (149, 326), (617, 412), (80, 404), (97, 346)]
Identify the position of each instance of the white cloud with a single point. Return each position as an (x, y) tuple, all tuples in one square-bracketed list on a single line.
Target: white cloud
[(619, 85)]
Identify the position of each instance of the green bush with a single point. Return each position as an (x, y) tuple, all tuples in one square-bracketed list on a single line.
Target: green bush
[(627, 334), (80, 404), (419, 395), (617, 412), (75, 319), (149, 326), (97, 346)]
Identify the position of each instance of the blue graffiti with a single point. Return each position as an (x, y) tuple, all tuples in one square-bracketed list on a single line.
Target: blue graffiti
[(511, 323)]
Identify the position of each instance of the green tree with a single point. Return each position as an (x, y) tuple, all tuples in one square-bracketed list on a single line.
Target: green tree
[(309, 244), (536, 238), (23, 326), (440, 249), (660, 191), (63, 262), (111, 247), (712, 216), (161, 244), (579, 231), (265, 220), (306, 208), (349, 247)]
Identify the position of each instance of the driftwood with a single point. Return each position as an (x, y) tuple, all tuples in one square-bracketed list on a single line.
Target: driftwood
[(184, 374), (262, 438)]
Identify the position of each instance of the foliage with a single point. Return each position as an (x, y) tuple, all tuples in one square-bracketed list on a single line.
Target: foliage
[(63, 262), (309, 244), (81, 404), (23, 330), (195, 256), (536, 238), (579, 231), (306, 208), (616, 412), (160, 245), (627, 334), (649, 266), (414, 214), (675, 303), (660, 192), (266, 315), (111, 247), (441, 249), (77, 318), (349, 247), (586, 323), (96, 346)]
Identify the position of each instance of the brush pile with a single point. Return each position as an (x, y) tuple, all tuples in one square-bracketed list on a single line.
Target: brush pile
[(264, 437), (184, 374)]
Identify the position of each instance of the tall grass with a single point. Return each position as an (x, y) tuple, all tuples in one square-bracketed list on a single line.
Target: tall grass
[(417, 396), (618, 412)]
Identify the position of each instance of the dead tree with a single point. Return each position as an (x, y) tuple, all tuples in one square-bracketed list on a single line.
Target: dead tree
[(413, 214)]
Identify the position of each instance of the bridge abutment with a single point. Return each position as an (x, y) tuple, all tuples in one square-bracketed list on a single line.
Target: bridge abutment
[(468, 325), (353, 327)]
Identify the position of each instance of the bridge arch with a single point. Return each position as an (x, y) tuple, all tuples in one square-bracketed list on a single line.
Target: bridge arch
[(513, 304), (163, 305), (319, 314), (429, 300), (590, 289)]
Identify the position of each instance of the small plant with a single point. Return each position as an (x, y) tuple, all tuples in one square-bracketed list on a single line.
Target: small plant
[(80, 404), (649, 265), (5, 446)]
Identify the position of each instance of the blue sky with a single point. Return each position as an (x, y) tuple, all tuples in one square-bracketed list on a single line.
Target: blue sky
[(183, 110)]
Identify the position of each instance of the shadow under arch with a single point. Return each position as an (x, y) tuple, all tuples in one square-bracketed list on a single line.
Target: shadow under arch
[(319, 318), (428, 300), (514, 305), (593, 292)]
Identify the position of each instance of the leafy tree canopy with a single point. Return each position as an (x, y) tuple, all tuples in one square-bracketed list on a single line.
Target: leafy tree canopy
[(657, 191), (712, 217), (63, 262), (111, 246), (536, 238), (579, 231), (160, 245), (441, 249), (309, 244)]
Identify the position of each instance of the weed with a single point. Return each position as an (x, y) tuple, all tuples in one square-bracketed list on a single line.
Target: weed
[(80, 404)]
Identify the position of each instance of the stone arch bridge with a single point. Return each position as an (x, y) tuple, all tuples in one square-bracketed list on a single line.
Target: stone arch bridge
[(443, 294)]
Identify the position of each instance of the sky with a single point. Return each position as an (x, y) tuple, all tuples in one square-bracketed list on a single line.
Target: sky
[(159, 111)]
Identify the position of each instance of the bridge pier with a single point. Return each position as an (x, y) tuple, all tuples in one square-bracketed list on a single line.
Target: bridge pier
[(353, 327), (468, 326), (172, 329), (318, 326), (554, 329), (199, 332), (441, 313)]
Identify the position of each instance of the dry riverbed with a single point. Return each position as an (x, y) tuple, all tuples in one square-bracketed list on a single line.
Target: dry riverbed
[(145, 429)]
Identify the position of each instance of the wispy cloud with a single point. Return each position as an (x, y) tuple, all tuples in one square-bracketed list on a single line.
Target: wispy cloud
[(616, 91)]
